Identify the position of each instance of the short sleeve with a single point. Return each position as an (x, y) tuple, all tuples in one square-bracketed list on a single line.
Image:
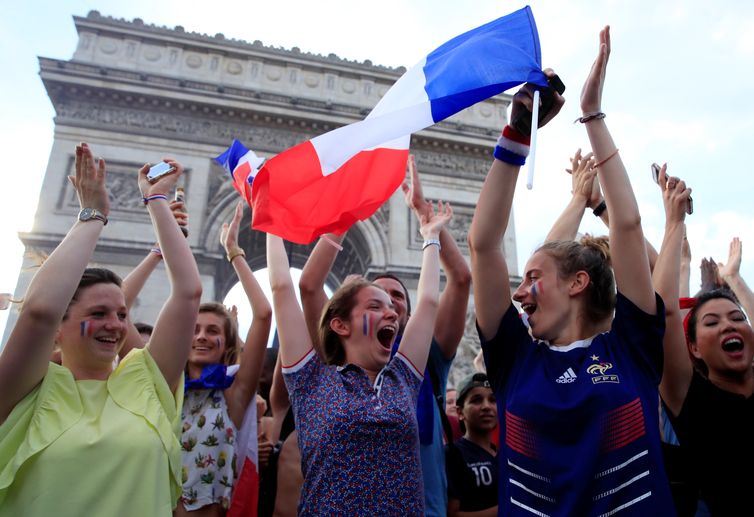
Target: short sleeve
[(37, 421), (407, 372), (302, 376), (454, 469), (642, 333), (501, 351), (138, 386)]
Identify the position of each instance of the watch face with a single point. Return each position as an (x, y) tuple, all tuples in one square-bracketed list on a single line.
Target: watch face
[(86, 214)]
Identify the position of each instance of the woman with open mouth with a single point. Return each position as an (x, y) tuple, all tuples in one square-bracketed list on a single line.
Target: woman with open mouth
[(708, 381), (355, 408), (82, 438), (576, 388)]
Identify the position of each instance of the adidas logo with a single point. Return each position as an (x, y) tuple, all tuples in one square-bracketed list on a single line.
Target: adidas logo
[(568, 377)]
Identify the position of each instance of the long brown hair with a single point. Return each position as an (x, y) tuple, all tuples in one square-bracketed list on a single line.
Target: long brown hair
[(591, 255), (340, 306)]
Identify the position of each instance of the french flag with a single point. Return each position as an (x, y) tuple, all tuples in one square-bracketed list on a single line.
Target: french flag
[(242, 165), (330, 182)]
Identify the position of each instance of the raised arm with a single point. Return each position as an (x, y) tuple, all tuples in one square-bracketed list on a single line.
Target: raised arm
[(685, 273), (583, 176), (489, 271), (293, 333), (454, 300), (24, 359), (174, 329), (627, 248), (244, 386), (312, 282), (417, 336), (730, 274), (677, 367)]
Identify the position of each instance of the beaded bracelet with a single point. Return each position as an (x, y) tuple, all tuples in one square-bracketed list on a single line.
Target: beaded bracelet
[(597, 115), (153, 197)]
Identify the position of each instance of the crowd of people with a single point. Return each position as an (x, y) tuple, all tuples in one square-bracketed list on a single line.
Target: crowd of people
[(602, 386)]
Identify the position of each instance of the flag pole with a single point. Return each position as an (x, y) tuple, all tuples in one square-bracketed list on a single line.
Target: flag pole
[(533, 143)]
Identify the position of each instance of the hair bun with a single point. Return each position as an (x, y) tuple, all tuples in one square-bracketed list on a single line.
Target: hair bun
[(600, 244)]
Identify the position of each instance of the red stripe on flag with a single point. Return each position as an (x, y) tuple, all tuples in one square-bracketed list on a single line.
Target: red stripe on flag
[(245, 492), (292, 199)]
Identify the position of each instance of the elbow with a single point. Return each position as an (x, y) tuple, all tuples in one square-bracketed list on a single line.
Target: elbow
[(627, 223), (461, 278), (306, 286), (41, 313), (264, 314)]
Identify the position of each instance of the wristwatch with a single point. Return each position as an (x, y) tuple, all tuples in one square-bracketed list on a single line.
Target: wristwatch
[(88, 214)]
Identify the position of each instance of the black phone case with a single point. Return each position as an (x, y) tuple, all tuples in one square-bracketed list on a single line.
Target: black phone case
[(522, 123)]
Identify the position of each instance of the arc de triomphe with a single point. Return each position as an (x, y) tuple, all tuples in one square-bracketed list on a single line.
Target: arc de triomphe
[(138, 92)]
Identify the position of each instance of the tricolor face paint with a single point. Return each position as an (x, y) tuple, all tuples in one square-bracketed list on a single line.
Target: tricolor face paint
[(86, 328), (368, 324), (537, 289)]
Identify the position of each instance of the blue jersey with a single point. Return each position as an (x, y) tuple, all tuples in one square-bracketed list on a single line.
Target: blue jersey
[(579, 424)]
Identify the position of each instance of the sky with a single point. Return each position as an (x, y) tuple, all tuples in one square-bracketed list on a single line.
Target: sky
[(677, 91)]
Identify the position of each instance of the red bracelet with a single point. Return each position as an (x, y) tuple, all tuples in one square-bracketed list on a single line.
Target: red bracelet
[(600, 164)]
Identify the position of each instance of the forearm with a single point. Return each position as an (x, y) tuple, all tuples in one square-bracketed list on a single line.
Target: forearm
[(24, 359), (313, 277), (137, 278), (291, 326), (567, 225), (684, 279), (743, 293), (183, 273), (667, 271), (454, 300), (417, 336), (627, 245), (489, 270), (255, 346)]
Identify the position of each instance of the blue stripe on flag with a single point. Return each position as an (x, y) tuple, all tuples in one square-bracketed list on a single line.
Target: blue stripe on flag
[(483, 62)]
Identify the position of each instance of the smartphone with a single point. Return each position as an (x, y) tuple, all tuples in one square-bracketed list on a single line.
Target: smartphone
[(159, 170), (522, 123), (656, 178)]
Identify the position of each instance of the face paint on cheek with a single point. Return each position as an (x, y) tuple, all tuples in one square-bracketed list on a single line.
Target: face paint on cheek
[(217, 342), (365, 324), (537, 289), (85, 327)]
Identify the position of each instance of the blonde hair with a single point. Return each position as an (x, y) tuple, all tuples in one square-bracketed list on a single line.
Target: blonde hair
[(591, 255)]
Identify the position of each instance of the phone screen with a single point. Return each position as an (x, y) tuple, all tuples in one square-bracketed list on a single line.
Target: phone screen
[(656, 173), (159, 170)]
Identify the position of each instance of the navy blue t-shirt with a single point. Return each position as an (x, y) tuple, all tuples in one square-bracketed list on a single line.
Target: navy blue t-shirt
[(472, 475), (579, 424)]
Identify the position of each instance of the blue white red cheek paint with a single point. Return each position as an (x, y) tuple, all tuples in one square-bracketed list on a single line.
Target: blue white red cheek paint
[(85, 328), (367, 325), (537, 289), (217, 341)]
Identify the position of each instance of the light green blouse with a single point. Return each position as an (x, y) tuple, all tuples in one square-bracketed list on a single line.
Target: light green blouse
[(108, 448)]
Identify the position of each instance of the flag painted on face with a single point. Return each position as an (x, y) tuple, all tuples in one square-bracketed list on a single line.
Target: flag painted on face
[(242, 165), (336, 179)]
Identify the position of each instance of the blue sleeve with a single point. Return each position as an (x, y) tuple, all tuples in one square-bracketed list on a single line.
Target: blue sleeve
[(501, 351), (642, 333)]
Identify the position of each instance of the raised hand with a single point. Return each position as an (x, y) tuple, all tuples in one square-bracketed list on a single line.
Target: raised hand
[(731, 268), (710, 275), (229, 233), (675, 196), (432, 223), (89, 180), (523, 100), (591, 93), (583, 175), (163, 185), (412, 191)]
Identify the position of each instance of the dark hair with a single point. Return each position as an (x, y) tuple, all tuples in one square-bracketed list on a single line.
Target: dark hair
[(144, 328), (229, 329), (339, 306), (591, 255), (405, 290), (92, 276), (693, 316)]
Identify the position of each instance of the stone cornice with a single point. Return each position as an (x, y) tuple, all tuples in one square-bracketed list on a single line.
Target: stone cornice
[(95, 21)]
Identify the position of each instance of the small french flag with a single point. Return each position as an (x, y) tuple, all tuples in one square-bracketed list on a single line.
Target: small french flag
[(242, 165)]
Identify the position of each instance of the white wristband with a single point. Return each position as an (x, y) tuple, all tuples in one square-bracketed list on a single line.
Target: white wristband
[(430, 242)]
